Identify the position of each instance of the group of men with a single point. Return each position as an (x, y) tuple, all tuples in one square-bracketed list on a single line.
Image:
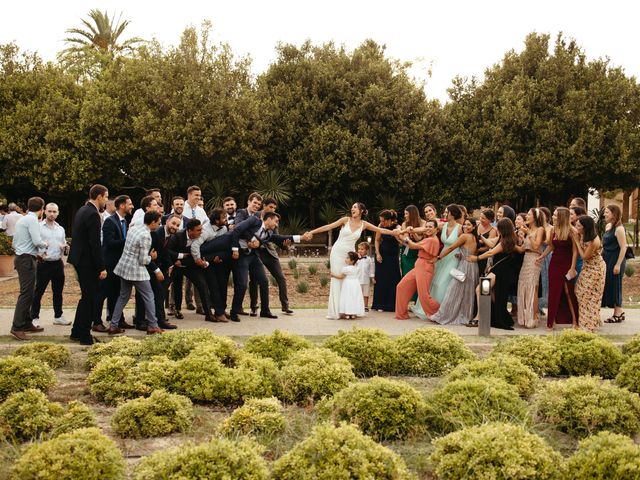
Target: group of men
[(152, 253)]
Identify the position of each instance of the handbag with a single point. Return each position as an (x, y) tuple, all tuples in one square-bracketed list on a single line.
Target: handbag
[(629, 255), (458, 275)]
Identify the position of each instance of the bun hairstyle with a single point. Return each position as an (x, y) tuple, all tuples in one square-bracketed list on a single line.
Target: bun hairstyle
[(389, 215), (363, 209), (354, 257), (455, 211), (489, 214), (473, 222)]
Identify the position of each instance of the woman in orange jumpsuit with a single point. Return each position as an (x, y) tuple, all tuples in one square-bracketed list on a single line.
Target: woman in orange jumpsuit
[(420, 277)]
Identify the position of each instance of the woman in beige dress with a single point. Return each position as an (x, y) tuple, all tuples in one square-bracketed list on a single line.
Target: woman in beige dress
[(530, 272), (590, 284)]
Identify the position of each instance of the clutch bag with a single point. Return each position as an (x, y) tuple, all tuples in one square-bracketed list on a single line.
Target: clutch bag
[(458, 275)]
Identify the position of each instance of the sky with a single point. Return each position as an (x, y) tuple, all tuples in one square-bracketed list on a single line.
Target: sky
[(448, 38)]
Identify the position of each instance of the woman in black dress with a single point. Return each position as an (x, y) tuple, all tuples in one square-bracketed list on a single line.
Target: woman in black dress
[(485, 230), (387, 265), (614, 247)]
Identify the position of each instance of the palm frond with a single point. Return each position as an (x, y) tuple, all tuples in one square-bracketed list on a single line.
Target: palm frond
[(329, 212), (295, 224), (274, 184)]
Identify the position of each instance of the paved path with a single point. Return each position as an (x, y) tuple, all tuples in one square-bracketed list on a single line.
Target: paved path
[(313, 322)]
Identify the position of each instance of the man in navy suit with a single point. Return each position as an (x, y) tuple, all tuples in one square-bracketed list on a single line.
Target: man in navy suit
[(86, 257), (114, 234)]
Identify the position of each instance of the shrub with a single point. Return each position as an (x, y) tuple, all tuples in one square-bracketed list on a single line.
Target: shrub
[(370, 351), (324, 280), (278, 346), (115, 379), (629, 271), (340, 453), (293, 265), (629, 374), (382, 408), (296, 274), (119, 346), (313, 373), (430, 352), (327, 264), (302, 287), (508, 368), (160, 414), (632, 346), (204, 376), (6, 244), (19, 373), (52, 354), (177, 345), (536, 352), (605, 456), (473, 401), (77, 416), (256, 416), (313, 269), (582, 406), (583, 353), (497, 451), (218, 458), (84, 453), (28, 414)]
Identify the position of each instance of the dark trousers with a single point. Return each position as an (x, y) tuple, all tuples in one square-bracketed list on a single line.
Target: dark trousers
[(109, 291), (158, 288), (87, 310), (49, 272), (273, 266), (197, 277), (249, 265), (26, 267), (217, 280)]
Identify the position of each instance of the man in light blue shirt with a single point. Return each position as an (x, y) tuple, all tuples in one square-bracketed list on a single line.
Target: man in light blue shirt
[(27, 241)]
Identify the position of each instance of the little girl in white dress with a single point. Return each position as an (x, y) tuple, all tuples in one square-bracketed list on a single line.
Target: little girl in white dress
[(351, 299)]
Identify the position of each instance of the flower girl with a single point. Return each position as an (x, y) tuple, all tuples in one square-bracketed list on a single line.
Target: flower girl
[(351, 299)]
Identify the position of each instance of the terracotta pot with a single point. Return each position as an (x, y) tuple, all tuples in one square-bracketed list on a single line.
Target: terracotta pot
[(6, 265)]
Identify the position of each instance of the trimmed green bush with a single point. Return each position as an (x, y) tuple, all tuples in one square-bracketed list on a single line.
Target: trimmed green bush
[(77, 416), (177, 345), (28, 414), (82, 454), (204, 376), (159, 414), (118, 347), (293, 264), (605, 456), (508, 368), (313, 373), (536, 352), (52, 354), (382, 408), (279, 346), (583, 353), (115, 379), (216, 459), (496, 451), (313, 269), (302, 287), (582, 406), (473, 401), (370, 351), (256, 416), (324, 280), (431, 352), (20, 373), (632, 346), (629, 374), (342, 452)]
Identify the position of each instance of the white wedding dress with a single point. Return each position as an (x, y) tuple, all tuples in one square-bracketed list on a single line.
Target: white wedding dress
[(345, 243)]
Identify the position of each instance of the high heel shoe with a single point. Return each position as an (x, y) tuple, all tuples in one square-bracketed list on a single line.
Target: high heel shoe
[(615, 318)]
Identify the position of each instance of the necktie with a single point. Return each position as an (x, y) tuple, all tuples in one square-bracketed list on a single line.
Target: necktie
[(124, 228), (166, 241), (193, 213)]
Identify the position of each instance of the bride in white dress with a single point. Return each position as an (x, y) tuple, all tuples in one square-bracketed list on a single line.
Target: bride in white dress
[(350, 231)]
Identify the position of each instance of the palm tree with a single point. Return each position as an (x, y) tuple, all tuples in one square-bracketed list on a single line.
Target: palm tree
[(101, 36), (274, 184)]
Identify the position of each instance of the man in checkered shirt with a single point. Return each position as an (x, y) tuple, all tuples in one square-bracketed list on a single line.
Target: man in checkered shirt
[(133, 272)]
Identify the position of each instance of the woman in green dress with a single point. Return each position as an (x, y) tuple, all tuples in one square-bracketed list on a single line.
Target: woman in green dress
[(408, 257)]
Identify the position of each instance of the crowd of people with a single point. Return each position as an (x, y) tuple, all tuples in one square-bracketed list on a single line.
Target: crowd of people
[(429, 266)]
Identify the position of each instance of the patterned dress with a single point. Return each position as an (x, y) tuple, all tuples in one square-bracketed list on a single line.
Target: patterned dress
[(528, 288), (589, 288), (459, 302)]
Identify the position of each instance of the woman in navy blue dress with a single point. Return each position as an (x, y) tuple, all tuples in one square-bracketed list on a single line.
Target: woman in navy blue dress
[(614, 246), (387, 265)]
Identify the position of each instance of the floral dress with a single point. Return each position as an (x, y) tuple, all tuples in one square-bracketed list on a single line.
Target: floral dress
[(589, 288)]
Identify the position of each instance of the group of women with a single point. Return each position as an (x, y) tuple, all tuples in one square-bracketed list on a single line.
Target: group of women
[(535, 260)]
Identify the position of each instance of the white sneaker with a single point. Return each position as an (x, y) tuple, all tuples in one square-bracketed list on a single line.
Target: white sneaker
[(36, 322), (61, 321)]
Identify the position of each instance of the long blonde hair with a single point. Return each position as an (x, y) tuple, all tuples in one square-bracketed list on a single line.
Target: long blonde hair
[(562, 226)]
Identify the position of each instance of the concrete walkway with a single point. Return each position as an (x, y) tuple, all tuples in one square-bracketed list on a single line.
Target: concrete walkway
[(313, 322)]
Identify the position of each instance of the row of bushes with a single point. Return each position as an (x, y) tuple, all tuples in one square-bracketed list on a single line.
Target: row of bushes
[(491, 451)]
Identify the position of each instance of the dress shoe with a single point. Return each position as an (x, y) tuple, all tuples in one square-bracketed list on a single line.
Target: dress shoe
[(234, 317), (242, 312), (153, 331), (210, 318), (167, 326), (221, 319), (191, 306), (142, 327), (33, 329), (19, 335), (179, 315), (227, 315), (124, 325), (267, 315), (287, 311), (254, 312), (200, 311), (115, 330), (99, 328), (171, 311)]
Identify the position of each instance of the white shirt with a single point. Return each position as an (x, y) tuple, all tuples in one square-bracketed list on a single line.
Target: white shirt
[(366, 270), (55, 237), (197, 212), (138, 217), (27, 238), (10, 222)]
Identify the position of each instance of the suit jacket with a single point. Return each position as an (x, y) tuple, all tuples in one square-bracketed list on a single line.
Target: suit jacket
[(177, 245), (163, 260), (135, 255), (184, 220), (112, 240), (243, 214), (86, 250), (248, 229)]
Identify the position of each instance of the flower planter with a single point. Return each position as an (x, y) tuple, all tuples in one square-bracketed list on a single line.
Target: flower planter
[(6, 265)]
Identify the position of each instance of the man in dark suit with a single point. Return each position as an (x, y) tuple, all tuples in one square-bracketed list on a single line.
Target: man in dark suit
[(86, 257), (114, 234), (179, 248), (254, 204)]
